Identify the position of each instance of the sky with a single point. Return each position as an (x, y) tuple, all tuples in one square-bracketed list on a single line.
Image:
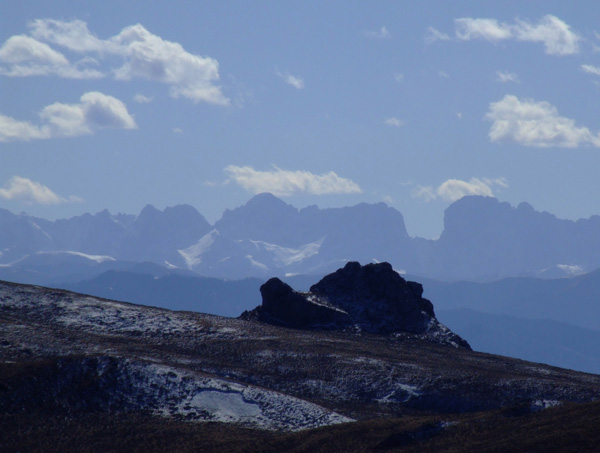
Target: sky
[(116, 105)]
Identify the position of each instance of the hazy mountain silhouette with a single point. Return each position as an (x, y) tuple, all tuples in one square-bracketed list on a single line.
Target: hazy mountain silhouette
[(539, 340), (153, 235), (174, 291), (572, 300), (268, 237), (483, 240)]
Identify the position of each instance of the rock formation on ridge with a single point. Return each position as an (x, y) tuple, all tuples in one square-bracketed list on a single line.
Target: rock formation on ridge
[(373, 298)]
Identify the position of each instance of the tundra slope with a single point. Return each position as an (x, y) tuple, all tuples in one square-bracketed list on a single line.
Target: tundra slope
[(65, 353)]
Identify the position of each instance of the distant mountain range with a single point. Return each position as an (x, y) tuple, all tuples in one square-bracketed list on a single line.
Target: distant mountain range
[(175, 259), (482, 240)]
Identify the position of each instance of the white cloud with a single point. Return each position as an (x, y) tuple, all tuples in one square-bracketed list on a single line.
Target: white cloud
[(73, 35), (433, 35), (142, 54), (142, 99), (425, 193), (489, 29), (382, 33), (505, 76), (23, 56), (284, 183), (556, 35), (454, 189), (538, 124), (394, 122), (399, 77), (150, 57), (21, 48), (591, 69), (295, 81), (11, 129), (95, 111), (28, 191)]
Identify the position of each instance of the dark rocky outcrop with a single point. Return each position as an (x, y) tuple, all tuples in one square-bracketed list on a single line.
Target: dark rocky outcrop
[(372, 298)]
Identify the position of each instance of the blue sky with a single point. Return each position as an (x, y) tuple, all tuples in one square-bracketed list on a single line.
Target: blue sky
[(121, 104)]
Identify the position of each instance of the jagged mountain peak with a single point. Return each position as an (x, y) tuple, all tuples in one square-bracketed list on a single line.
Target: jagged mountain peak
[(148, 210), (265, 199), (260, 209)]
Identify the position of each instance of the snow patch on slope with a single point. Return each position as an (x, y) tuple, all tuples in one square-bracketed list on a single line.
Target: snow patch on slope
[(166, 390), (195, 397), (287, 256), (193, 254)]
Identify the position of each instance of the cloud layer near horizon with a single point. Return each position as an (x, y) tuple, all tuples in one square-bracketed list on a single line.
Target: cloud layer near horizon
[(285, 183), (28, 191), (454, 189)]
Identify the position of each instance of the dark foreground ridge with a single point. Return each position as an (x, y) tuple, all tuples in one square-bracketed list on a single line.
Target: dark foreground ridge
[(79, 373), (373, 298)]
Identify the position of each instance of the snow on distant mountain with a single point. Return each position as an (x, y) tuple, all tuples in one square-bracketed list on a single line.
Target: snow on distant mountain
[(268, 237), (56, 257), (153, 235), (483, 240)]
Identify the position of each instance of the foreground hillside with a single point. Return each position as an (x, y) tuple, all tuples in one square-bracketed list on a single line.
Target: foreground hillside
[(83, 373)]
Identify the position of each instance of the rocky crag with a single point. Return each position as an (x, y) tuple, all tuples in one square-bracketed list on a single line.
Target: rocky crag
[(373, 298)]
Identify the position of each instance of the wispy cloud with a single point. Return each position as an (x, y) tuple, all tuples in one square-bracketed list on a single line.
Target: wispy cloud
[(393, 121), (434, 35), (28, 191), (454, 189), (141, 54), (292, 80), (284, 182), (538, 124), (142, 99), (506, 77), (556, 35), (488, 29), (95, 111), (382, 33), (591, 69)]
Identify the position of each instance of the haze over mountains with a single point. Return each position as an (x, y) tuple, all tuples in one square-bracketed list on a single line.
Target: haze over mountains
[(483, 240), (492, 272)]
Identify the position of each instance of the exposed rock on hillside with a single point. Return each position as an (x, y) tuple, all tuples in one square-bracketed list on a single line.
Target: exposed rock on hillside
[(372, 298)]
